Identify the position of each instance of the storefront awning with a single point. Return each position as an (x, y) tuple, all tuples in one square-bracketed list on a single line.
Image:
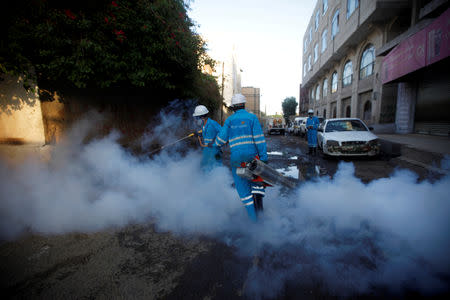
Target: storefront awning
[(424, 48)]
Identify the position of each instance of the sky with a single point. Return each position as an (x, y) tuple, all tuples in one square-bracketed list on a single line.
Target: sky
[(267, 36)]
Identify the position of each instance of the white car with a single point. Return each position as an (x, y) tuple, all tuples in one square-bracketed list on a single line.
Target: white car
[(302, 129), (290, 129), (347, 137), (297, 122)]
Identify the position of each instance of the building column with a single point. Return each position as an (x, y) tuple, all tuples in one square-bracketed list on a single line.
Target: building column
[(354, 105), (406, 104), (339, 108)]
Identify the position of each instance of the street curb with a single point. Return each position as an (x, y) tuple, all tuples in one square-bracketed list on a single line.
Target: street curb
[(425, 159)]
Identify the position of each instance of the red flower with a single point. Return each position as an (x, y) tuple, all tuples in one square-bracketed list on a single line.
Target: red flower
[(69, 14), (106, 20), (119, 32), (113, 3)]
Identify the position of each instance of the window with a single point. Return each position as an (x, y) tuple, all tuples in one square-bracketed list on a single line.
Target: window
[(309, 63), (310, 35), (318, 92), (304, 69), (316, 52), (347, 74), (324, 6), (334, 82), (351, 6), (367, 62), (312, 96), (324, 40), (335, 24), (305, 45), (345, 125), (317, 20), (347, 111), (324, 113), (325, 88)]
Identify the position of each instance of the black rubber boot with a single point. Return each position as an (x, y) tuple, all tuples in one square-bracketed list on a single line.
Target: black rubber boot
[(258, 202), (310, 150)]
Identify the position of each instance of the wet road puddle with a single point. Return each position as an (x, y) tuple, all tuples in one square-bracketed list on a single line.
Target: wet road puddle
[(290, 171), (275, 153)]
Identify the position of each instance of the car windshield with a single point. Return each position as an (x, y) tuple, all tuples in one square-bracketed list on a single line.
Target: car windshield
[(345, 125)]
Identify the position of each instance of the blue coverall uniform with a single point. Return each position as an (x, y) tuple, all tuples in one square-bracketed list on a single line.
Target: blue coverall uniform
[(242, 131), (312, 133), (212, 155)]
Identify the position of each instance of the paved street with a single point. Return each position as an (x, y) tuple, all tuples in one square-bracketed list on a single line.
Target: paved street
[(139, 262), (285, 151)]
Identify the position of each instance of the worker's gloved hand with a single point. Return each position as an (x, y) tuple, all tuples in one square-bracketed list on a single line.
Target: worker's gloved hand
[(210, 144)]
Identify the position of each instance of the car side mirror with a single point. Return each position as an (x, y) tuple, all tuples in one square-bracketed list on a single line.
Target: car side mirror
[(371, 128), (320, 129)]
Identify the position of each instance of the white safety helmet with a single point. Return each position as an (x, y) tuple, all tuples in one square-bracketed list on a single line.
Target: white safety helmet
[(237, 99), (310, 111), (200, 110)]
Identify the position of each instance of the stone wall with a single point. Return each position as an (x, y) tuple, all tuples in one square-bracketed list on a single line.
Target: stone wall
[(20, 113)]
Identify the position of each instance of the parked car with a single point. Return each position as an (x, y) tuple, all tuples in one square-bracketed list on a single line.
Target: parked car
[(303, 128), (290, 128), (297, 124), (347, 137)]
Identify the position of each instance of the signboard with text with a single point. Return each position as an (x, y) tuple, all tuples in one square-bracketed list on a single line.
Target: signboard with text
[(426, 47)]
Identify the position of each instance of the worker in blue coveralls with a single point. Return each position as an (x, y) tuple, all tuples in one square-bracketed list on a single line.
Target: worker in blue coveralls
[(312, 124), (242, 131), (211, 155)]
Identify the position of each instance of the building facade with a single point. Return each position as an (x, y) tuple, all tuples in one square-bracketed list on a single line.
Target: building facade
[(342, 63), (228, 75), (253, 97)]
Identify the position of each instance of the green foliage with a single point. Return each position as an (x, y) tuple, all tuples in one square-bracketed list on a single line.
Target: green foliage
[(289, 106), (103, 44)]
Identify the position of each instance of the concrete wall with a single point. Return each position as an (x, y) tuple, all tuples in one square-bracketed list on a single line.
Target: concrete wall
[(20, 113)]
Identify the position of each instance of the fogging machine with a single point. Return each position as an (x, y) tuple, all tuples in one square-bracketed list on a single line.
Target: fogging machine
[(258, 169)]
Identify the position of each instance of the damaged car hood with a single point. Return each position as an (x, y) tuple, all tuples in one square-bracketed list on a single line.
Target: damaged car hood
[(348, 136)]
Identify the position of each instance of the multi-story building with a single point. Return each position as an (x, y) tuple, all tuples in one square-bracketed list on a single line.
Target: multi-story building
[(228, 76), (253, 97), (343, 49)]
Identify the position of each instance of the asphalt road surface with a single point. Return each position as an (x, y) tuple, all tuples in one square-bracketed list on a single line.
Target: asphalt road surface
[(138, 262)]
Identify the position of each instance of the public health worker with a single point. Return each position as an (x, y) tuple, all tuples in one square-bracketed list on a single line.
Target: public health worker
[(312, 124), (242, 131), (212, 155)]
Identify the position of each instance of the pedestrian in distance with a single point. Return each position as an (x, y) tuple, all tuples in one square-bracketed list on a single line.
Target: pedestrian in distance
[(211, 153), (242, 131), (312, 124)]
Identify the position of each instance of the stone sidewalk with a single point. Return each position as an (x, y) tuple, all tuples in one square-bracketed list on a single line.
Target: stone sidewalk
[(426, 151)]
